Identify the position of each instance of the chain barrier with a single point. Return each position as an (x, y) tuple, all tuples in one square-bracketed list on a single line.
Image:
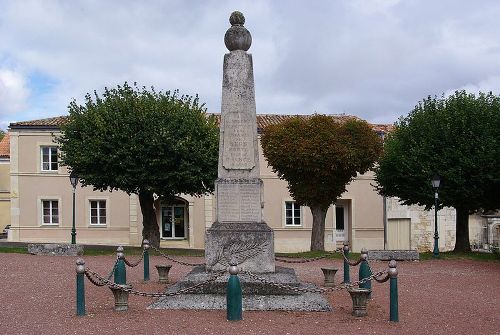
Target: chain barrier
[(351, 263), (93, 280), (173, 259), (299, 261), (113, 270), (136, 263), (97, 280), (314, 290), (284, 260), (382, 280)]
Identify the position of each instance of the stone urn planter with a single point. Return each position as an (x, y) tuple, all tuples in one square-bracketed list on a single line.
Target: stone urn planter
[(163, 273), (359, 298), (121, 297), (329, 274)]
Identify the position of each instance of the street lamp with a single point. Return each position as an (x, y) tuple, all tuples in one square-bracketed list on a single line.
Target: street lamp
[(435, 184), (73, 179)]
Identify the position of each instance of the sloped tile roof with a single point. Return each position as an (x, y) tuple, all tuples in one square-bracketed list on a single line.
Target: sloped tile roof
[(52, 122), (263, 120), (5, 146)]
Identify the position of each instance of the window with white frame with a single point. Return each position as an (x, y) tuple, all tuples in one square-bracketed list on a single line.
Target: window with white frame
[(292, 214), (48, 155), (97, 212), (50, 212)]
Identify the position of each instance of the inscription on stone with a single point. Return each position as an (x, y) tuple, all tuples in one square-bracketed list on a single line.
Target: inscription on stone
[(238, 152), (228, 202), (239, 202), (250, 202)]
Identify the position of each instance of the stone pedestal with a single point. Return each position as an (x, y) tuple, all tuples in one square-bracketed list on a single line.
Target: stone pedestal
[(249, 244), (121, 297), (329, 274), (359, 298), (163, 271)]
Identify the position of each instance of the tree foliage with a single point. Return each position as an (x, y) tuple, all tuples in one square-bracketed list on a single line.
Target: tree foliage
[(144, 142), (455, 137), (318, 156)]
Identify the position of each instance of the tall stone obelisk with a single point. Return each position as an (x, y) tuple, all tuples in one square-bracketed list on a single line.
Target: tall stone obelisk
[(239, 233)]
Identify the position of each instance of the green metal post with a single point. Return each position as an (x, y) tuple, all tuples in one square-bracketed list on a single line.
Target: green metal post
[(347, 278), (73, 227), (364, 271), (120, 271), (234, 296), (393, 305), (145, 245), (146, 260), (80, 287)]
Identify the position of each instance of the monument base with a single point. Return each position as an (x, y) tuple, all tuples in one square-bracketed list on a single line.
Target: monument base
[(249, 244), (257, 296)]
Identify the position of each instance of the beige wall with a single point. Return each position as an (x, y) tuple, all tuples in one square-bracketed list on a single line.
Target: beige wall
[(4, 193), (29, 186)]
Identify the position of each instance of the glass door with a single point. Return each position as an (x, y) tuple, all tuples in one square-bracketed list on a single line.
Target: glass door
[(173, 221)]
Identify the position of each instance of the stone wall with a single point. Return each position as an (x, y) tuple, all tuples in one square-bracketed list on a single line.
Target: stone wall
[(422, 225)]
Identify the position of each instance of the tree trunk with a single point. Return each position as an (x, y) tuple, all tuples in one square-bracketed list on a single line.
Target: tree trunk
[(462, 241), (318, 228), (150, 230)]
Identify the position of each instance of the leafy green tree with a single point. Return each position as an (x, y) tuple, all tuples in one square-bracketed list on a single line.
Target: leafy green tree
[(2, 134), (144, 142), (318, 156), (455, 137)]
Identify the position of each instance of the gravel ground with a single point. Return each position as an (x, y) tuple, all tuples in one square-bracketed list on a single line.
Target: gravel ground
[(438, 296)]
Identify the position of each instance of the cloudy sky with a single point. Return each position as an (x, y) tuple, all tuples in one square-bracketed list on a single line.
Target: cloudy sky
[(371, 58)]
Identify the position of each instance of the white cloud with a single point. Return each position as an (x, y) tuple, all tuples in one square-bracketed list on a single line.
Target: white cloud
[(13, 92), (373, 59)]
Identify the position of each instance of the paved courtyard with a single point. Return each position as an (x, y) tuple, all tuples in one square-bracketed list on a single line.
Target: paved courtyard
[(438, 296)]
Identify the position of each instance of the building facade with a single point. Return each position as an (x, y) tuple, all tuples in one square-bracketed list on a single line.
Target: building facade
[(41, 206)]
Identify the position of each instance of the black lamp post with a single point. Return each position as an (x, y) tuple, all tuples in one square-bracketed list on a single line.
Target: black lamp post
[(73, 179), (435, 184)]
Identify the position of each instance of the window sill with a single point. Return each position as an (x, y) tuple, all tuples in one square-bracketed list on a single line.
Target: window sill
[(97, 226)]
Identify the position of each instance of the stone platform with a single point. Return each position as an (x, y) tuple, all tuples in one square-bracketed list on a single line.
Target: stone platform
[(55, 249), (398, 255), (257, 296)]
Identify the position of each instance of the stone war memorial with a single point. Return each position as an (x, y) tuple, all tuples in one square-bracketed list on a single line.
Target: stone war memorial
[(239, 235)]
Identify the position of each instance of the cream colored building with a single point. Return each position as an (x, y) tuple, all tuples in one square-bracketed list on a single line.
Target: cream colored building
[(5, 181), (41, 206)]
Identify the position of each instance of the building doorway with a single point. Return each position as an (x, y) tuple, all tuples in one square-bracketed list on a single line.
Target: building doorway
[(341, 223), (398, 234), (174, 220)]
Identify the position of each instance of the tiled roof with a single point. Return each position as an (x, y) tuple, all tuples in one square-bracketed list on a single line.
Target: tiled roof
[(53, 122), (5, 146), (263, 120)]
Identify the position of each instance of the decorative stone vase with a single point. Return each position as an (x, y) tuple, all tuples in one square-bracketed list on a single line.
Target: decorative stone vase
[(121, 297), (163, 273), (359, 298), (329, 274)]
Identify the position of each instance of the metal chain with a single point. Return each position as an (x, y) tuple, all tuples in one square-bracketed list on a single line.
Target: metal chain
[(351, 263), (174, 260), (382, 280), (300, 261), (314, 290), (136, 263), (100, 280), (94, 281), (113, 270), (283, 260)]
